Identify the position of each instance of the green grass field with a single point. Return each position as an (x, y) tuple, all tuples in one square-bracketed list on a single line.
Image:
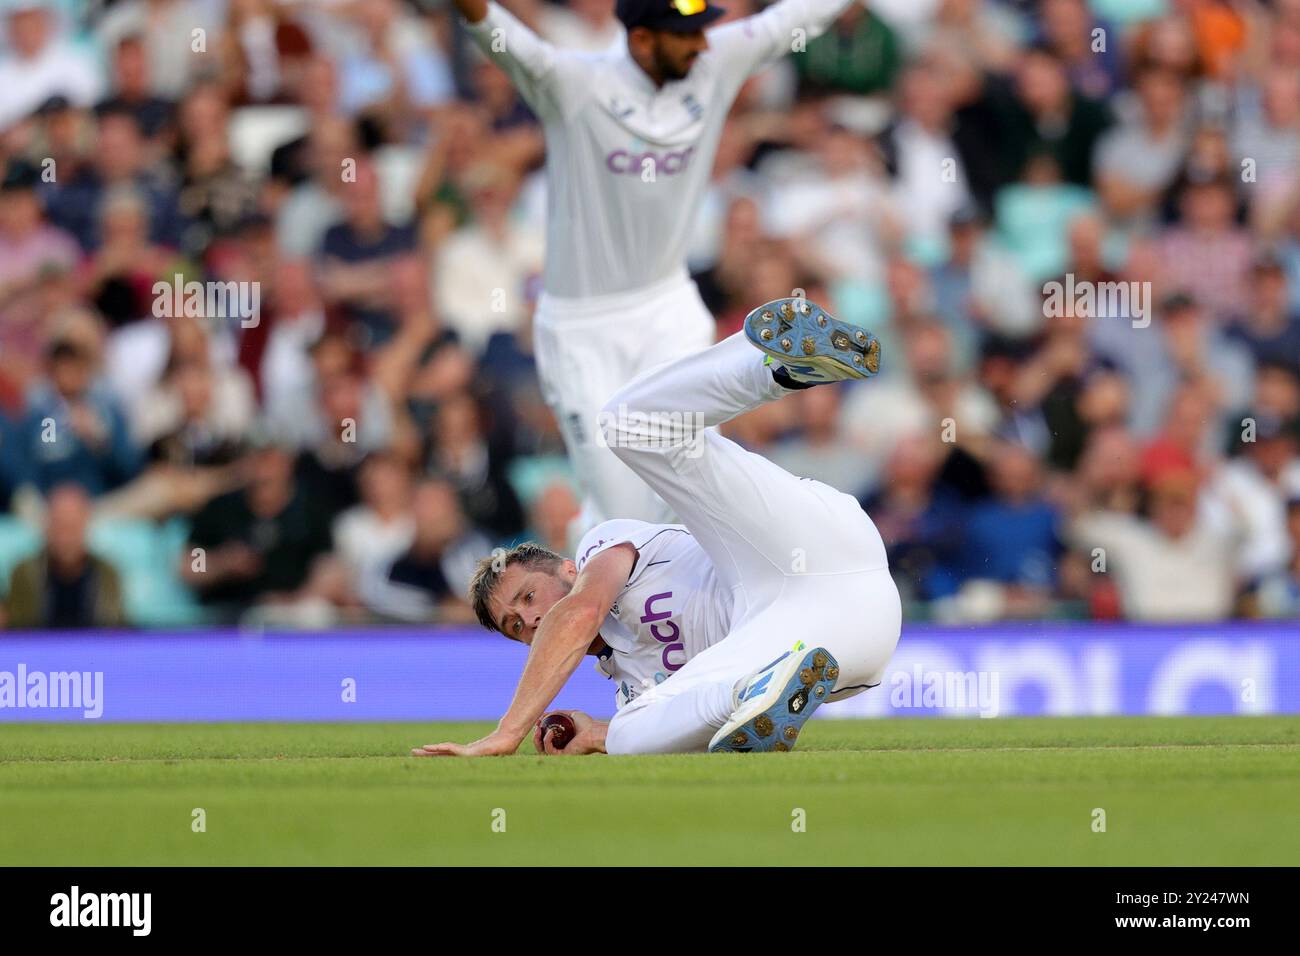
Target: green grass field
[(1174, 791)]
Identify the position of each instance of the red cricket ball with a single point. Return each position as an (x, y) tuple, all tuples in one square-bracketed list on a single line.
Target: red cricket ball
[(564, 729)]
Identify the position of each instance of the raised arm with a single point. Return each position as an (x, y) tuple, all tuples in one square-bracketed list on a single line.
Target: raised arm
[(527, 59), (562, 639), (744, 45)]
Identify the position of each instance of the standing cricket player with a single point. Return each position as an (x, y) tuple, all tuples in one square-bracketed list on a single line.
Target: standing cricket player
[(727, 631), (631, 135)]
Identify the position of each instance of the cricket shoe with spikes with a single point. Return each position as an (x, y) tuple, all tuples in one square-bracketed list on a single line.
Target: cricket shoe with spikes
[(770, 705), (810, 345)]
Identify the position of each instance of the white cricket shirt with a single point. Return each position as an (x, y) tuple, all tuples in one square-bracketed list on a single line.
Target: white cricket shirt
[(627, 162), (672, 608)]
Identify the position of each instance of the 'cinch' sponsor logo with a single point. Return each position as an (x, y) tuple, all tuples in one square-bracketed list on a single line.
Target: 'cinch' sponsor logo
[(670, 164)]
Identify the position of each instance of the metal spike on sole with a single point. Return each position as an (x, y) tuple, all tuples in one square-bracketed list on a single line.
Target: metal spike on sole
[(763, 725)]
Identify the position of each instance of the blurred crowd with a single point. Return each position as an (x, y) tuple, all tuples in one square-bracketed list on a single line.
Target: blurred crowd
[(927, 169)]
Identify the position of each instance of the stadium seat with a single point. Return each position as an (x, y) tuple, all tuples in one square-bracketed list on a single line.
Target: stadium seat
[(528, 476), (18, 542), (257, 131), (145, 557)]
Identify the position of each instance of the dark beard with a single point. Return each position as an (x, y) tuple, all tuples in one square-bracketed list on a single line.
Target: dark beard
[(669, 71)]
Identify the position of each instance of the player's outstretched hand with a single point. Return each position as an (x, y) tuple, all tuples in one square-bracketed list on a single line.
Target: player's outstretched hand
[(589, 739), (493, 745)]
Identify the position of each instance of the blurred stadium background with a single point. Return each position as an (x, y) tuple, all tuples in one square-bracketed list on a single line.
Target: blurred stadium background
[(1113, 524)]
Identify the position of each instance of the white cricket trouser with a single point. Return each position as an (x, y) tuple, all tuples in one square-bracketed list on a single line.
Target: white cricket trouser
[(803, 561), (589, 348)]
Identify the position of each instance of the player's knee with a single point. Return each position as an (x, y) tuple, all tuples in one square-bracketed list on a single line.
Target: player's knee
[(616, 742), (612, 428), (622, 429), (623, 737)]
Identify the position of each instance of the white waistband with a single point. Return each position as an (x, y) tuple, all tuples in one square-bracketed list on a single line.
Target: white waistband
[(551, 307)]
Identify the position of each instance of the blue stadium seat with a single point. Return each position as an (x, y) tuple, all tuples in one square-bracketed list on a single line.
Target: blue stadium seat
[(18, 542)]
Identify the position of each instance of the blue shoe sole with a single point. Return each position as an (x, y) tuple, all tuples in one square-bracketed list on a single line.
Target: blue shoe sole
[(812, 344), (777, 728)]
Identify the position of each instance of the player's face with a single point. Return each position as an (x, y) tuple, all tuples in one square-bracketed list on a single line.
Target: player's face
[(524, 595), (675, 53)]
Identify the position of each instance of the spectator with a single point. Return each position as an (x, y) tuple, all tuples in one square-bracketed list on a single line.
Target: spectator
[(178, 35), (819, 449), (1186, 347), (1072, 31), (256, 545), (932, 400), (551, 514), (859, 54), (132, 88), (357, 256), (1246, 497), (1013, 537), (1208, 255), (120, 159), (65, 586), (1137, 161), (979, 288), (428, 581), (1277, 595), (38, 63), (215, 194), (1051, 119), (482, 268), (380, 527), (917, 146), (30, 250), (199, 412), (1171, 565), (838, 207), (75, 432), (465, 455), (1269, 138), (919, 518), (395, 67), (1268, 326)]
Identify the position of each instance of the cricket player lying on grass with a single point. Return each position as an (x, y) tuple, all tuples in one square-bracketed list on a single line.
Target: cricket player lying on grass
[(724, 632)]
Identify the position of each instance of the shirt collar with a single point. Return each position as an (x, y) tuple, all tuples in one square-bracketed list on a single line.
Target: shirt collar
[(634, 75)]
